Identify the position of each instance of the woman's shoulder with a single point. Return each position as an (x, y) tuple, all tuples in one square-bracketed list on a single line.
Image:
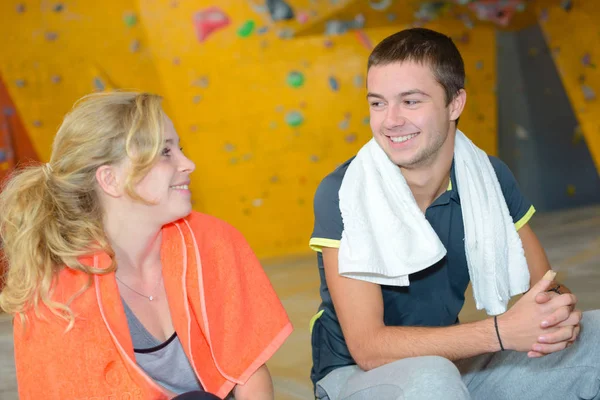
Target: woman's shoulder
[(212, 228)]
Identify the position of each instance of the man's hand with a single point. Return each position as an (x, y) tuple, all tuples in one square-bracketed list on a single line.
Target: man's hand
[(567, 319), (522, 325)]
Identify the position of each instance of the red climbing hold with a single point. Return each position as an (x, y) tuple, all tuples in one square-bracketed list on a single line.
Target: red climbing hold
[(208, 21)]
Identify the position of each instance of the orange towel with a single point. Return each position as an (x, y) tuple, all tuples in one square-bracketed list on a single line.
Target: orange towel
[(223, 307)]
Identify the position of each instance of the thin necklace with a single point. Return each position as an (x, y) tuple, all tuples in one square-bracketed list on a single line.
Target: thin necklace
[(151, 297)]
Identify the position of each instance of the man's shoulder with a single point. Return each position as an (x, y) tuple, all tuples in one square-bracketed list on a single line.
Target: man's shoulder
[(330, 185), (502, 170)]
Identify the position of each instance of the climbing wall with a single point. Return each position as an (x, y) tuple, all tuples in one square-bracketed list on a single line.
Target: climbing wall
[(55, 52), (572, 32), (15, 146), (263, 111)]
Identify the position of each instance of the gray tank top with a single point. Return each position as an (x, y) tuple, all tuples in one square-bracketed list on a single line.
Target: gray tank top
[(165, 362)]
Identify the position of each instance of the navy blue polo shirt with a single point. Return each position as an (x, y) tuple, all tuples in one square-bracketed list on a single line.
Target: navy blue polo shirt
[(435, 295)]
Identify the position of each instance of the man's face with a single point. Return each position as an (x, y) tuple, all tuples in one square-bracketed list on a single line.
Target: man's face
[(409, 116)]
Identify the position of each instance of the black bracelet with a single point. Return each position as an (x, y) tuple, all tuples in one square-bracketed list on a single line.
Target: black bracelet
[(555, 289), (497, 332)]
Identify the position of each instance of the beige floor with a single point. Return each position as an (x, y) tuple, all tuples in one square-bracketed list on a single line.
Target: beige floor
[(571, 239)]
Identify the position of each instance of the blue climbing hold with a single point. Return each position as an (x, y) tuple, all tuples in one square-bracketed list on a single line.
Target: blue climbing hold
[(334, 84)]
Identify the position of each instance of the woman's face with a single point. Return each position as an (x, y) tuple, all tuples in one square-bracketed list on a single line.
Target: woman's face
[(167, 183)]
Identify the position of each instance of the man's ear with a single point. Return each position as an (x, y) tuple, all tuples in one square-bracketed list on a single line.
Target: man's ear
[(108, 178), (457, 105)]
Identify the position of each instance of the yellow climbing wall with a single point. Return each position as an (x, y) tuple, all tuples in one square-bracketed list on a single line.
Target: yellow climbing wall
[(264, 118), (572, 36)]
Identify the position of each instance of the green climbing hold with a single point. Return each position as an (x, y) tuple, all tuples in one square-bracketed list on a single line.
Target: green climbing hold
[(295, 79), (246, 29), (130, 19), (294, 118)]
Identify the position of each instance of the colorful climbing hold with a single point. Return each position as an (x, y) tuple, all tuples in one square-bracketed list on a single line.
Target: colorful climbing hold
[(294, 118), (351, 138), (8, 111), (334, 84), (51, 36), (196, 99), (366, 120), (328, 43), (208, 21), (286, 33), (344, 124), (134, 46), (246, 29), (2, 155), (364, 39), (279, 10), (229, 147), (56, 79), (21, 8), (566, 5), (302, 17), (521, 132), (586, 60), (99, 84), (359, 81), (201, 82), (380, 5), (570, 190), (274, 179), (20, 83), (314, 158), (130, 19), (479, 64), (295, 79), (176, 61), (58, 7), (257, 202), (588, 93), (262, 30), (37, 123)]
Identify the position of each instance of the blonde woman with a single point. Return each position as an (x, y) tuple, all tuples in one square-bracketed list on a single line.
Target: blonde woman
[(119, 289)]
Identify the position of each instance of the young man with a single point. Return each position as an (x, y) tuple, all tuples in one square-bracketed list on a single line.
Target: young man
[(380, 341)]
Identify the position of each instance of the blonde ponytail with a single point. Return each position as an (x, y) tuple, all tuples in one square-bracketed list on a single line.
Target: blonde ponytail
[(50, 215)]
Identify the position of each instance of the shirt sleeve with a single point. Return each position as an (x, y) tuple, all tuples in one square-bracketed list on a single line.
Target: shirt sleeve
[(519, 206), (328, 226)]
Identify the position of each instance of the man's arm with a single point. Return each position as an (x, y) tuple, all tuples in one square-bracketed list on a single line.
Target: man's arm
[(258, 387), (359, 308), (536, 257), (567, 318)]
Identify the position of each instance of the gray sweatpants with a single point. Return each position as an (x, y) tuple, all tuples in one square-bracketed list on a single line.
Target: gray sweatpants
[(573, 373)]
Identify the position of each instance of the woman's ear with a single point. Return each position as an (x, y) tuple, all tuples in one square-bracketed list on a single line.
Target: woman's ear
[(108, 178)]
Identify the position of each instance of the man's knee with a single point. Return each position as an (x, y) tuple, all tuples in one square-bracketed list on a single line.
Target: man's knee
[(591, 319), (435, 377)]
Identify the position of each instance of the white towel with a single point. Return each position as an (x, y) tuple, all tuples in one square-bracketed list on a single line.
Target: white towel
[(386, 236)]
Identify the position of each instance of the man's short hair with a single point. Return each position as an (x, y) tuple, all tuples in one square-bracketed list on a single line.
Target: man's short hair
[(427, 47)]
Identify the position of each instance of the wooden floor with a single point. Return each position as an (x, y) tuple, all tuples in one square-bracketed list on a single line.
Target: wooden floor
[(571, 239)]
